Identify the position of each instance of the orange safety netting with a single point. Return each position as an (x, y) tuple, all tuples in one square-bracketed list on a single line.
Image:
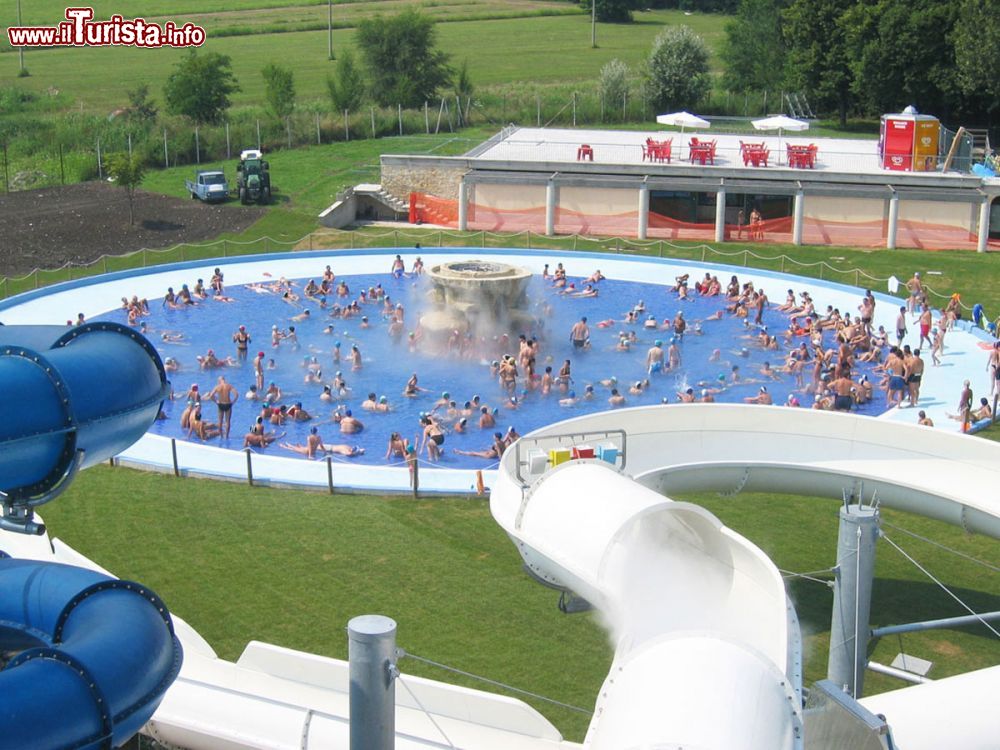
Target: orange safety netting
[(506, 219), (429, 209), (576, 222)]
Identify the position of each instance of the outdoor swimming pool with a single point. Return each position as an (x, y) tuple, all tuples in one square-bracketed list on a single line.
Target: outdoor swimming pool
[(388, 363)]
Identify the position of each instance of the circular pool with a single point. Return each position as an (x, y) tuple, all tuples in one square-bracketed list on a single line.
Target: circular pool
[(719, 357)]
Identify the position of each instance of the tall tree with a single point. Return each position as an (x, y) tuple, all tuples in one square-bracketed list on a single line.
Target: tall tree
[(463, 81), (347, 85), (677, 74), (279, 90), (401, 60), (200, 87), (613, 11), (127, 172), (614, 84), (141, 108), (976, 40), (818, 58), (901, 53), (754, 49)]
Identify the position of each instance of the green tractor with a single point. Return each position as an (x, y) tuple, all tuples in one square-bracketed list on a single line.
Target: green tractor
[(253, 180)]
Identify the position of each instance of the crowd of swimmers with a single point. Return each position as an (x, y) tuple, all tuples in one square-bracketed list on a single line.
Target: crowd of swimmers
[(819, 351)]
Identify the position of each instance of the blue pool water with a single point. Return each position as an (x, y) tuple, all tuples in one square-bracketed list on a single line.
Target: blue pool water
[(388, 364)]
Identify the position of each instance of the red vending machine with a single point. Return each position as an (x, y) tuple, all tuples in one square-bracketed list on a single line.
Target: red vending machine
[(909, 142)]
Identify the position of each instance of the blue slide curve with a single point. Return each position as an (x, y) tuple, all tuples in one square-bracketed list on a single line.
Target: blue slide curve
[(88, 657)]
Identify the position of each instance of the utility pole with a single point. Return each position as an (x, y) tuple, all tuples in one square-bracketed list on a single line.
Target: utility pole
[(329, 28), (20, 50), (593, 24)]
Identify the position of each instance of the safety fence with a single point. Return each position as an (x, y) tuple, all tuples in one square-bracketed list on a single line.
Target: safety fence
[(528, 239)]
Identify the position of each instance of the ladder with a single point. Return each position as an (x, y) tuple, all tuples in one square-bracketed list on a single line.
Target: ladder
[(798, 106), (980, 142)]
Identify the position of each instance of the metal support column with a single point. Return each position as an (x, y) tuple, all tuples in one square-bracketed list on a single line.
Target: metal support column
[(798, 216), (890, 235), (852, 592), (463, 205), (720, 215), (984, 224), (643, 211), (371, 651), (550, 207)]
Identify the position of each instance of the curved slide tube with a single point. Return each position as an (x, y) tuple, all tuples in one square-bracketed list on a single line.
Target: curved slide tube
[(92, 655), (697, 612), (86, 393), (96, 656)]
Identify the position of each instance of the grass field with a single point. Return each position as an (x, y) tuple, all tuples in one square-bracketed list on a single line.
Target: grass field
[(283, 566), (249, 17), (507, 52)]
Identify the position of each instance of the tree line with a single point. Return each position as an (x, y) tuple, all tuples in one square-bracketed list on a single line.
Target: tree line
[(869, 57)]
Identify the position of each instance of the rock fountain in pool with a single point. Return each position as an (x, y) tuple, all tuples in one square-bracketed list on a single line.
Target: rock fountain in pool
[(484, 297)]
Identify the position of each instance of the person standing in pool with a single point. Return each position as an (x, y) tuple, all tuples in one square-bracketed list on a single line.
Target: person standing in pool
[(258, 370), (242, 341), (654, 358), (580, 334), (433, 437), (895, 368), (224, 395), (761, 305), (398, 267), (216, 281)]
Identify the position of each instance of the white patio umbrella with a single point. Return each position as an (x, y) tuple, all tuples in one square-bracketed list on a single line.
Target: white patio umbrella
[(683, 120), (780, 123)]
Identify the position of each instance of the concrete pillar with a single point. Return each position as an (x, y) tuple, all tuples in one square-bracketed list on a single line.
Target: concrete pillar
[(550, 208), (852, 595), (890, 235), (463, 205), (798, 217), (984, 224), (371, 652), (720, 215), (643, 211)]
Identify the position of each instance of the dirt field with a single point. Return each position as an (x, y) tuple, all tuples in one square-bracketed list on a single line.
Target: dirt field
[(79, 223)]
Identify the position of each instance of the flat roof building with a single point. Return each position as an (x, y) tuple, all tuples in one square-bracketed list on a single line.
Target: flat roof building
[(696, 185)]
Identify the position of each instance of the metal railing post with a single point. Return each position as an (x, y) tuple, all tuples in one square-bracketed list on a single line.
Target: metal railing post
[(249, 467)]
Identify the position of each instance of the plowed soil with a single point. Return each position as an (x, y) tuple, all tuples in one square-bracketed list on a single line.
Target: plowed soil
[(79, 223)]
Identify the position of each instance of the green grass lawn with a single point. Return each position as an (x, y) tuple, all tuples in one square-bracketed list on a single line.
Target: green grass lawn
[(292, 567), (245, 17), (507, 51)]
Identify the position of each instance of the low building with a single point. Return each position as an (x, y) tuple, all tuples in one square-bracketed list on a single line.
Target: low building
[(695, 186)]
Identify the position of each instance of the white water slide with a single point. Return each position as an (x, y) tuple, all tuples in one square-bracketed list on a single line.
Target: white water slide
[(698, 612), (705, 641)]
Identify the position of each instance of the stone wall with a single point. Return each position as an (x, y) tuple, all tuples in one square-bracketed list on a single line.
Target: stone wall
[(401, 177)]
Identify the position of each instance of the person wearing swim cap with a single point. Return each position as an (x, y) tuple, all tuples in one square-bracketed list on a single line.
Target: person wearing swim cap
[(654, 358), (494, 451)]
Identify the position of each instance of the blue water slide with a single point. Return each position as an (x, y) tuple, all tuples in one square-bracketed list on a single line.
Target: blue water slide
[(76, 396), (85, 658), (94, 656)]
